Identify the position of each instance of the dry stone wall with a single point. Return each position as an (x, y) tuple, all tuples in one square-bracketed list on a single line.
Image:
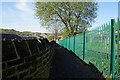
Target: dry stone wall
[(26, 59)]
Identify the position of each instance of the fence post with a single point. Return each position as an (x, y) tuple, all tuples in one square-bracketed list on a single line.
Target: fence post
[(84, 44), (74, 44), (117, 52), (69, 43), (112, 47), (66, 43)]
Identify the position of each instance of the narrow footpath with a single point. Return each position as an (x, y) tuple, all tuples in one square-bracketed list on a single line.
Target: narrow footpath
[(66, 65)]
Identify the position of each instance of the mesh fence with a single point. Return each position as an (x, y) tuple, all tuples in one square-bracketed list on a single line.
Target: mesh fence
[(100, 46)]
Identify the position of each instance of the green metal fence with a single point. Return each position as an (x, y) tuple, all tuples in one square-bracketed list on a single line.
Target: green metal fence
[(100, 46)]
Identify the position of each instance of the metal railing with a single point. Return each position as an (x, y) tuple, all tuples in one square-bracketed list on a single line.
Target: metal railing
[(100, 46)]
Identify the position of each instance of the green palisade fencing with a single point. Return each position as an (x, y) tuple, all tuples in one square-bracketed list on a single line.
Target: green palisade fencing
[(72, 43), (99, 46), (68, 43), (79, 45), (116, 67)]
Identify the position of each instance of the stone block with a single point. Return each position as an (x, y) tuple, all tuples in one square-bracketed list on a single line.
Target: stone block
[(23, 66), (31, 58), (22, 48), (8, 51), (35, 63), (15, 62), (33, 46), (15, 77), (22, 75), (33, 69), (3, 66), (8, 72)]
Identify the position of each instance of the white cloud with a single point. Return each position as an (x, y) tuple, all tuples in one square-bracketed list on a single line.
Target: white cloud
[(23, 6)]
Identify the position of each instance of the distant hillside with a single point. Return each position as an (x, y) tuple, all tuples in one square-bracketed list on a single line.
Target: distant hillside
[(25, 33)]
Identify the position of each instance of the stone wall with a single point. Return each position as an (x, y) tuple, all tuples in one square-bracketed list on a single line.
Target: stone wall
[(26, 59)]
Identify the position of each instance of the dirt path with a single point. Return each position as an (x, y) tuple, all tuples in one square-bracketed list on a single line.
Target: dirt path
[(67, 65)]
